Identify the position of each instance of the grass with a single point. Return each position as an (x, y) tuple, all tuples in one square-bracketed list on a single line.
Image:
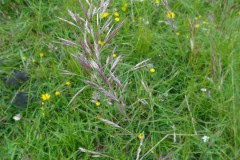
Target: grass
[(193, 92)]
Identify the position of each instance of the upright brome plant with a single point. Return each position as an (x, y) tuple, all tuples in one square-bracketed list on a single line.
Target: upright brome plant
[(91, 26)]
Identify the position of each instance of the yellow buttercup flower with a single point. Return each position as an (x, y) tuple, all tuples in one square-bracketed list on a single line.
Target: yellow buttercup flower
[(171, 15), (98, 103), (104, 15), (157, 1), (117, 19), (204, 22), (116, 14), (114, 55), (124, 8), (140, 136), (152, 70), (177, 33), (57, 93), (68, 83), (45, 97), (41, 55), (197, 25), (100, 42)]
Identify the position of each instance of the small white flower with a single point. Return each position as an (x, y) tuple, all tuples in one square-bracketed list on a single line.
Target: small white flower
[(205, 139), (203, 89), (17, 117)]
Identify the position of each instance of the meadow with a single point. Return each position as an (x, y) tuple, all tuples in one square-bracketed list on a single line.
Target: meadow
[(132, 79)]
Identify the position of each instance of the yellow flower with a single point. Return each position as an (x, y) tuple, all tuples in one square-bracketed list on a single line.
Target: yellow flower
[(114, 55), (57, 93), (197, 25), (171, 15), (45, 97), (117, 19), (104, 15), (116, 14), (24, 58), (41, 55), (98, 103), (204, 22), (68, 83), (157, 1), (140, 136), (124, 8), (152, 70), (100, 42), (177, 33)]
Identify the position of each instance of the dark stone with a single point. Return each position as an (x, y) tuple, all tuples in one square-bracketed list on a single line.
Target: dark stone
[(16, 79), (20, 100)]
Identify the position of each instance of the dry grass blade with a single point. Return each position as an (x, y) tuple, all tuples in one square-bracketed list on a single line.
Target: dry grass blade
[(110, 123), (140, 145), (154, 147), (113, 124), (88, 151), (67, 42), (72, 15), (213, 60), (94, 154), (80, 91), (71, 23), (140, 65)]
